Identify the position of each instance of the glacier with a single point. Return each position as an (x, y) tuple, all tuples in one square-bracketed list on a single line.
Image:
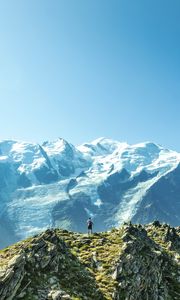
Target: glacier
[(59, 184)]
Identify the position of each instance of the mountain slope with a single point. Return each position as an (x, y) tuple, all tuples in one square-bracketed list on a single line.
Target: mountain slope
[(132, 262), (58, 184)]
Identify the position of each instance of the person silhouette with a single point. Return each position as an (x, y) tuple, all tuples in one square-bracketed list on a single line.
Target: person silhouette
[(89, 225)]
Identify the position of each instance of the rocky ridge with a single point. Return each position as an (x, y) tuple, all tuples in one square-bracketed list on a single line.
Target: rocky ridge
[(133, 262)]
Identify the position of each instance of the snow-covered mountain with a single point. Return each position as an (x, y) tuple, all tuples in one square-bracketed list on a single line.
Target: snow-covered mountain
[(58, 184)]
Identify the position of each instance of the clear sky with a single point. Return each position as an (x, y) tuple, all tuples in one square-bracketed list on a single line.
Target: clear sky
[(84, 69)]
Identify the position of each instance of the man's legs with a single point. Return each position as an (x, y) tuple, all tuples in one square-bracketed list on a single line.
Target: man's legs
[(89, 231)]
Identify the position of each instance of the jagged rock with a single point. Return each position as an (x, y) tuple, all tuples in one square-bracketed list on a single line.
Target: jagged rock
[(58, 295), (132, 263), (13, 276)]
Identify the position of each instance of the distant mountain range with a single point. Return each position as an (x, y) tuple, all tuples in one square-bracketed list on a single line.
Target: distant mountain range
[(59, 185)]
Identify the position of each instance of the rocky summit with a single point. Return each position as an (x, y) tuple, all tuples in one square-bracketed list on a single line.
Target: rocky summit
[(133, 262)]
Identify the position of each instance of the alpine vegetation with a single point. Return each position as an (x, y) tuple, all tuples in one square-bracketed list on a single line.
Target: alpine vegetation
[(133, 262)]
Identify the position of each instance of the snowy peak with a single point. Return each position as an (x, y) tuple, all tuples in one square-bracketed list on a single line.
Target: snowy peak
[(56, 147), (58, 159), (112, 156), (99, 156), (27, 155), (102, 146)]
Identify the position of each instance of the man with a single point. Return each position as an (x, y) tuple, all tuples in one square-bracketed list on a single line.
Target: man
[(90, 225)]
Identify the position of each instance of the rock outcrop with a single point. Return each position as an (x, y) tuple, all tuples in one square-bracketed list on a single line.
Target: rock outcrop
[(133, 262)]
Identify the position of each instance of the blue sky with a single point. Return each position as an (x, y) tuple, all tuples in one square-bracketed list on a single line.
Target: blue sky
[(84, 69)]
